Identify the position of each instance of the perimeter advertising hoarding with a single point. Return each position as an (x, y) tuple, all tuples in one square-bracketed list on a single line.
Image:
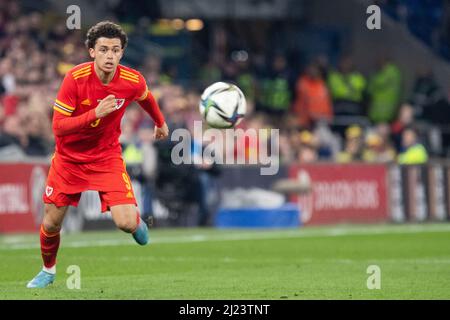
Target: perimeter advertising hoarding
[(355, 193), (21, 189)]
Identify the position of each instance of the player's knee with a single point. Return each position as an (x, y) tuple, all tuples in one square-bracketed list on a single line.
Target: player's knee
[(51, 222), (127, 224), (50, 225)]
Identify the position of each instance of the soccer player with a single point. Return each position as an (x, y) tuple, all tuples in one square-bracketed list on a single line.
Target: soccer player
[(86, 122)]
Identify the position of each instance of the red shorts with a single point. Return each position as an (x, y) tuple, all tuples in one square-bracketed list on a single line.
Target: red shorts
[(66, 181)]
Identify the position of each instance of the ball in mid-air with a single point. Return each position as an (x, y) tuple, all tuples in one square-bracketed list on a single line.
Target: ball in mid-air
[(222, 105)]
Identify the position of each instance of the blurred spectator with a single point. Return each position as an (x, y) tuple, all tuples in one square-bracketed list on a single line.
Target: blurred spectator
[(347, 88), (152, 69), (384, 91), (204, 187), (191, 112), (438, 111), (12, 134), (413, 153), (425, 92), (287, 152), (7, 78), (37, 140), (329, 143), (323, 64), (275, 95), (307, 152), (170, 74), (377, 149), (384, 130), (230, 71), (141, 160), (249, 145), (10, 103), (438, 117), (405, 119), (312, 102), (209, 73), (354, 145), (246, 80)]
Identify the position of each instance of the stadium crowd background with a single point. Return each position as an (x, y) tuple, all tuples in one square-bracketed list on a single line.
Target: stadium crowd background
[(326, 111)]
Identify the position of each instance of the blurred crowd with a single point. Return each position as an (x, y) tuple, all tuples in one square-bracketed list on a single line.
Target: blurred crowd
[(35, 52), (324, 112)]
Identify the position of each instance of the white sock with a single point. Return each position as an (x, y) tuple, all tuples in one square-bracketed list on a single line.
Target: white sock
[(51, 270)]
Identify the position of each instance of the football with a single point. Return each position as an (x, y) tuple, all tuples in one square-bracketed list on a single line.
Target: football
[(222, 105)]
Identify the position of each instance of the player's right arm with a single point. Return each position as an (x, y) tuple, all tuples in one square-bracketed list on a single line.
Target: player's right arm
[(63, 121)]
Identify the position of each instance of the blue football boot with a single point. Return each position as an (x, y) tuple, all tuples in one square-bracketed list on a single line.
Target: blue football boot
[(42, 280), (140, 235)]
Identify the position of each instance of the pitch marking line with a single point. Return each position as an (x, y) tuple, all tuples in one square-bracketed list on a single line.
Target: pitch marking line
[(20, 242)]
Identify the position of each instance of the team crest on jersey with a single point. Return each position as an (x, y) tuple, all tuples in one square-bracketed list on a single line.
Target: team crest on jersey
[(119, 103), (48, 191)]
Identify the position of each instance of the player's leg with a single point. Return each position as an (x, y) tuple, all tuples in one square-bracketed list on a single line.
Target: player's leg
[(127, 218), (50, 233), (50, 239), (122, 202)]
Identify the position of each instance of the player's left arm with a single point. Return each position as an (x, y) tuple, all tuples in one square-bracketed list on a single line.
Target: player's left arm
[(146, 100)]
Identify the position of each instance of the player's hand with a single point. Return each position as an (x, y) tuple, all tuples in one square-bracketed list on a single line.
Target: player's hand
[(161, 133), (106, 106)]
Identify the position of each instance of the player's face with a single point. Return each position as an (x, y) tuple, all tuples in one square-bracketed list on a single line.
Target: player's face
[(107, 53)]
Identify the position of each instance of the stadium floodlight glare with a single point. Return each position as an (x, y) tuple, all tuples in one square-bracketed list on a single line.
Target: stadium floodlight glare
[(177, 24), (194, 24), (164, 22), (239, 56)]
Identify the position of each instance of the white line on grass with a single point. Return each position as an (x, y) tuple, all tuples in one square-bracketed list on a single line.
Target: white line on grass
[(14, 242)]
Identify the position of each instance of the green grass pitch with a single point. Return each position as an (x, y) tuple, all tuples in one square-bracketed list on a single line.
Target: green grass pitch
[(304, 263)]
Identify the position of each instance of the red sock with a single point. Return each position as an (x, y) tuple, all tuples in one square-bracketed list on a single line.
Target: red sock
[(49, 247), (138, 220)]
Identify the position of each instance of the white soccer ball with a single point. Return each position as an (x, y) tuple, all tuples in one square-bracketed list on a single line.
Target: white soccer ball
[(222, 105)]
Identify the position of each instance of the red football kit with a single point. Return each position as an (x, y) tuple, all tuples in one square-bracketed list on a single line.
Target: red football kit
[(88, 155)]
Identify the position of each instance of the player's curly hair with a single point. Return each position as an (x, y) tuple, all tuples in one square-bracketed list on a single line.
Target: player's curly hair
[(105, 29)]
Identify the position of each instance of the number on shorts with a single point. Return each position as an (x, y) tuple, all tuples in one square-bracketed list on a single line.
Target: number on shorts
[(127, 181), (95, 123)]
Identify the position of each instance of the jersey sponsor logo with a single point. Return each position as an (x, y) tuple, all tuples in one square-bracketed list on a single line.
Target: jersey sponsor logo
[(86, 102), (48, 191)]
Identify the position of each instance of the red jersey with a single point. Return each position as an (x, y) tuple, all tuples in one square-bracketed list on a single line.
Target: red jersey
[(92, 139)]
